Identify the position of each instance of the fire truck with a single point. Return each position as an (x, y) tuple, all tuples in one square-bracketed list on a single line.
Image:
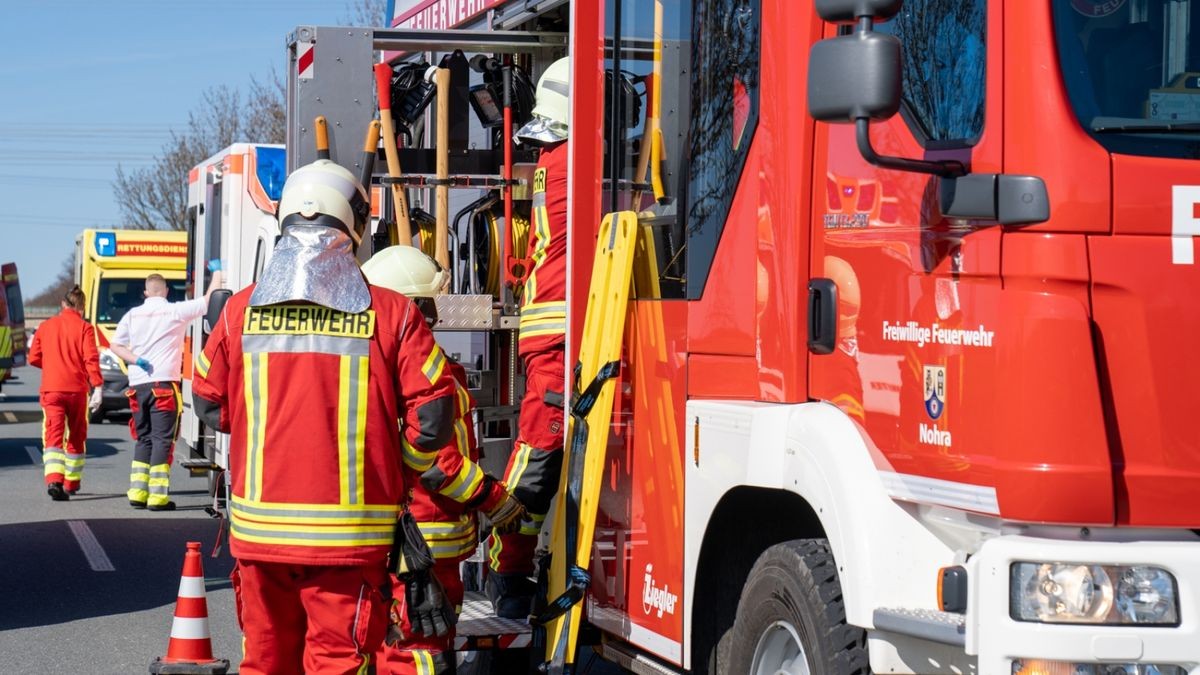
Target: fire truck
[(905, 381), (111, 267), (12, 322), (231, 217)]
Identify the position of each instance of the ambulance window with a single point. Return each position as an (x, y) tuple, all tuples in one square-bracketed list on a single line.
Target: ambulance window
[(16, 309), (633, 95), (944, 66), (723, 116)]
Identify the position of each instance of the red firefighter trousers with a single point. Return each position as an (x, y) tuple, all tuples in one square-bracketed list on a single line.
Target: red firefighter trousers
[(313, 619), (533, 467), (421, 655), (64, 436)]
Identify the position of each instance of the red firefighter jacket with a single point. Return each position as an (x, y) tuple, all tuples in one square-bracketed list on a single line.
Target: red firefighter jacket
[(310, 397), (544, 304), (451, 491), (64, 347)]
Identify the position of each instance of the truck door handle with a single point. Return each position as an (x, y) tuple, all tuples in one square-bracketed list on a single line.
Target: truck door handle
[(822, 316)]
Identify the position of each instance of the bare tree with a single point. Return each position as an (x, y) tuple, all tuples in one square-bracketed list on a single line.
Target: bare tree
[(366, 13), (58, 288), (156, 197)]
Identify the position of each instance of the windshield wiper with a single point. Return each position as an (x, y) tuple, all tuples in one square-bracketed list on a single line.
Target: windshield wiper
[(1156, 128)]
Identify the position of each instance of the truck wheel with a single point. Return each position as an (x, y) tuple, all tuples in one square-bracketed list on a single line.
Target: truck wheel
[(791, 620)]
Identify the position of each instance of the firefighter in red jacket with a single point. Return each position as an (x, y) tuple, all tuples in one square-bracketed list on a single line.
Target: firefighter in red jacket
[(534, 466), (64, 347), (445, 502), (309, 371)]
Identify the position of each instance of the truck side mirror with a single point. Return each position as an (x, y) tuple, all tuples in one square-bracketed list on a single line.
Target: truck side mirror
[(1003, 198), (856, 78), (216, 304)]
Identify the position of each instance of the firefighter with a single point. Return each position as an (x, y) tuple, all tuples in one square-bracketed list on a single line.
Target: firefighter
[(309, 371), (453, 489), (64, 347), (533, 467)]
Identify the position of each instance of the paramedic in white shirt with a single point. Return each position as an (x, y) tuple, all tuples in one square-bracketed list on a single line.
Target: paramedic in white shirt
[(150, 338)]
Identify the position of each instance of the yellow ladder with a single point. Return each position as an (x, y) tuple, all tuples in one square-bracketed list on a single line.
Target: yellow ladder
[(587, 436)]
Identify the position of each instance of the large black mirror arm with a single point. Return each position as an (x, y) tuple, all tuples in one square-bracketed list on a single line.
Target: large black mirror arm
[(946, 168)]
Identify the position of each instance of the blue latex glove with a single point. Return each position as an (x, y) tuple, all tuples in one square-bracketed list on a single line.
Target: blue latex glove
[(144, 365), (214, 265)]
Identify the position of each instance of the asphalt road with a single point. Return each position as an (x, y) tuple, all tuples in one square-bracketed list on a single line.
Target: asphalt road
[(70, 605), (89, 585)]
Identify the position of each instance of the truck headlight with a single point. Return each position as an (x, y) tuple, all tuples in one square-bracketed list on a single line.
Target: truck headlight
[(108, 361), (1058, 592)]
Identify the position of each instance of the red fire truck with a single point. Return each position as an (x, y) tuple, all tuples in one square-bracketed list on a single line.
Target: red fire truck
[(906, 384)]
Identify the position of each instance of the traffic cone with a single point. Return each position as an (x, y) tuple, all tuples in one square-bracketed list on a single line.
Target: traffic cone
[(190, 650)]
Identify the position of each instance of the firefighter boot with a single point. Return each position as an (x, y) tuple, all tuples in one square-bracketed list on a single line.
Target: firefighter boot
[(57, 493), (511, 595)]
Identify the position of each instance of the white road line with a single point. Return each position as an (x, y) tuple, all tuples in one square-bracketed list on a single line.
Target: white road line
[(96, 556), (12, 419), (35, 455)]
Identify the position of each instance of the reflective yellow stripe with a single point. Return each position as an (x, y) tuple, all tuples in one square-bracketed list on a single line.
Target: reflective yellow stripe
[(465, 483), (54, 461), (434, 364), (513, 478), (352, 427), (320, 515), (494, 552), (202, 365), (541, 233), (255, 376), (417, 459), (74, 466), (306, 535), (450, 539), (423, 660)]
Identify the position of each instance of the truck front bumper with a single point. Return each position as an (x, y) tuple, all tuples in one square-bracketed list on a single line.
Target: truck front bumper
[(998, 640), (112, 397)]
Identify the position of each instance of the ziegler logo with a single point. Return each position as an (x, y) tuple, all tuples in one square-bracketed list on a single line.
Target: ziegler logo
[(654, 598)]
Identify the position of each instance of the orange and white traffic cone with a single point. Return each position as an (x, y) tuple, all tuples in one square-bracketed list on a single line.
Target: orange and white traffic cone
[(190, 650)]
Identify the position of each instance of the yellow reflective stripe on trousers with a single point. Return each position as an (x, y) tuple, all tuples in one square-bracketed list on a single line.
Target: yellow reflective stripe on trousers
[(352, 427), (54, 461), (254, 367), (74, 466), (139, 482), (434, 364), (423, 661), (160, 484)]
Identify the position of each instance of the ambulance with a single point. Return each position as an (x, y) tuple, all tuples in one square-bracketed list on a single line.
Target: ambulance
[(231, 217), (111, 267), (12, 322)]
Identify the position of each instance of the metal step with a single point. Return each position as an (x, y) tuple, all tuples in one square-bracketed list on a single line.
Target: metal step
[(630, 659), (198, 464), (926, 624), (479, 627)]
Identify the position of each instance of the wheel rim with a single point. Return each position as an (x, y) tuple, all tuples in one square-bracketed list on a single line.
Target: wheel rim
[(780, 652)]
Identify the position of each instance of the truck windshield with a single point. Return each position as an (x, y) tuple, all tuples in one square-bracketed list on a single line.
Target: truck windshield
[(1132, 71), (117, 296)]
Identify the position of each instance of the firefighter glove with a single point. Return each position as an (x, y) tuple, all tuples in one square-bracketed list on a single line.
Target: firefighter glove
[(410, 553), (507, 514), (94, 401), (429, 611)]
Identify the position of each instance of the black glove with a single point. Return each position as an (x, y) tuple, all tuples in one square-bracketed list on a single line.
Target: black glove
[(410, 553), (430, 613)]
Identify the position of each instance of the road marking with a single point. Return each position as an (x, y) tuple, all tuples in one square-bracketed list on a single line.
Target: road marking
[(8, 415), (34, 454), (96, 556)]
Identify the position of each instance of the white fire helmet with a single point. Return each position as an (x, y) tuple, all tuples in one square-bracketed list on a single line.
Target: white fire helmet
[(321, 213), (406, 270), (552, 107)]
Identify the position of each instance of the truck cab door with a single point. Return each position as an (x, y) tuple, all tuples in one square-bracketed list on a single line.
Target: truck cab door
[(918, 295)]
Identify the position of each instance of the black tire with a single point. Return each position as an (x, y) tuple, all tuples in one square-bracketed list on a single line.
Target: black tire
[(793, 592)]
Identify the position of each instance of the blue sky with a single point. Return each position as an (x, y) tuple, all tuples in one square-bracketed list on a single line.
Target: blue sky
[(87, 83)]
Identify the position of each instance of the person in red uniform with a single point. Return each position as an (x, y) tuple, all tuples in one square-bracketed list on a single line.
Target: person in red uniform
[(64, 347), (534, 466), (309, 371), (450, 493)]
